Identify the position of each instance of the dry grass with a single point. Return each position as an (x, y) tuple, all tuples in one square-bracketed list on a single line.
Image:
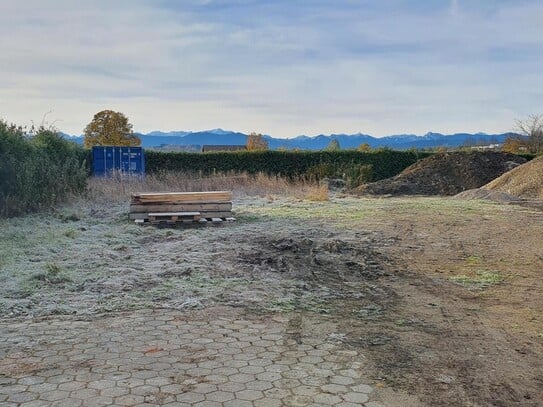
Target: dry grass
[(119, 187), (525, 181), (320, 193)]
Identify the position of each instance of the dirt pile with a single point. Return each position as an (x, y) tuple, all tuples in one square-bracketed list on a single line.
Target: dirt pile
[(495, 196), (525, 181), (446, 174)]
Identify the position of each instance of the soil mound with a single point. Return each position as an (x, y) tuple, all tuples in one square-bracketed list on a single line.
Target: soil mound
[(495, 196), (524, 181), (446, 174)]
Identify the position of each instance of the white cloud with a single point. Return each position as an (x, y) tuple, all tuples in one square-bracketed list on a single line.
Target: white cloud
[(282, 68)]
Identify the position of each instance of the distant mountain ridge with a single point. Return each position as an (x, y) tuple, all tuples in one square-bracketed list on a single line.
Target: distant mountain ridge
[(156, 139)]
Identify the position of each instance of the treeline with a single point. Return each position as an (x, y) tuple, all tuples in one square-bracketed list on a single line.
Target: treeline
[(353, 166), (37, 169)]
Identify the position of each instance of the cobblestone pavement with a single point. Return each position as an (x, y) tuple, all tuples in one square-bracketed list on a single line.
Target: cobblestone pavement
[(171, 358)]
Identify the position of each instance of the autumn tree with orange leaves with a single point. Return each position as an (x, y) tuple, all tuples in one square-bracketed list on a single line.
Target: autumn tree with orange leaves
[(109, 128), (255, 141)]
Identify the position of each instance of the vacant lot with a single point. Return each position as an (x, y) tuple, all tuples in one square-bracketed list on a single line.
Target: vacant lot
[(443, 297)]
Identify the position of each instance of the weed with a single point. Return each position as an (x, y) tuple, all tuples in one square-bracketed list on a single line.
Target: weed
[(474, 259), (52, 275), (71, 233), (320, 193), (282, 305), (481, 279)]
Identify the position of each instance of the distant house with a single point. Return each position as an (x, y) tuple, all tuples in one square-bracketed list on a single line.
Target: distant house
[(226, 147)]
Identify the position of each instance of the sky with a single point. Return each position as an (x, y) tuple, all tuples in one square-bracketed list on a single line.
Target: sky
[(277, 67)]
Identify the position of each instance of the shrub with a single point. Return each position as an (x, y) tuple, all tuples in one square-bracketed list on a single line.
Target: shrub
[(291, 164), (358, 174), (38, 169)]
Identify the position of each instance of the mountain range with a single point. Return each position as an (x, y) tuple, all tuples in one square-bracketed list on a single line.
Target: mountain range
[(187, 140)]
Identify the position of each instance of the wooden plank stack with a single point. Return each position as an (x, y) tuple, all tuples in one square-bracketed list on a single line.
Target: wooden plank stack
[(186, 207)]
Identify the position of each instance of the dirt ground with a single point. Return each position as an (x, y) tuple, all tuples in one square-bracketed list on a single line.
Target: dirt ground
[(442, 296)]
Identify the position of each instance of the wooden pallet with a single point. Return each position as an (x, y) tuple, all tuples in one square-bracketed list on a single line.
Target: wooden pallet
[(176, 219), (182, 207), (172, 217), (203, 214)]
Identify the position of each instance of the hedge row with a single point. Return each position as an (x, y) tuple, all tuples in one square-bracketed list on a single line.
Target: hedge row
[(37, 171), (383, 163)]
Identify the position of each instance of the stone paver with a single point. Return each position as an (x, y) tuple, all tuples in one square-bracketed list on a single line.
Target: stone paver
[(165, 357)]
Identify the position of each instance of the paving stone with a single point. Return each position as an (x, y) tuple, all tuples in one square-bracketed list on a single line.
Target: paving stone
[(21, 397), (307, 390), (249, 395), (220, 396), (84, 394), (190, 397), (259, 385), (231, 386), (19, 388), (69, 402), (342, 380), (362, 388), (129, 400), (114, 392), (355, 397), (268, 403), (298, 401), (328, 399), (150, 358), (204, 388), (98, 401), (348, 404), (238, 403), (54, 395), (334, 388)]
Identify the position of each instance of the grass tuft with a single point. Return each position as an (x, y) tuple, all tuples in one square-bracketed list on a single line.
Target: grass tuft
[(481, 279)]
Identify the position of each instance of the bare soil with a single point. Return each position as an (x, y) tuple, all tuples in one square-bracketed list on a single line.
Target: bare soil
[(442, 296)]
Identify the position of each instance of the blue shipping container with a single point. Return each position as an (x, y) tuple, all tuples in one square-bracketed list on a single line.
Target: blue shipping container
[(106, 159)]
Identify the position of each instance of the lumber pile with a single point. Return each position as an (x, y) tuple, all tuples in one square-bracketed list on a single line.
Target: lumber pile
[(186, 207)]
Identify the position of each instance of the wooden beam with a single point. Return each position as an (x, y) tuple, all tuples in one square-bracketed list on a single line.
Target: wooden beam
[(174, 197), (182, 207)]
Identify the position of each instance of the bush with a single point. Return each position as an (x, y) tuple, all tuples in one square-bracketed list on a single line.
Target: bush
[(291, 164), (37, 170)]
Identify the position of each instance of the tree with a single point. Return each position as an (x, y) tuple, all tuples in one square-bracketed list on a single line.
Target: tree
[(333, 145), (255, 141), (109, 128), (514, 145), (532, 128), (364, 147)]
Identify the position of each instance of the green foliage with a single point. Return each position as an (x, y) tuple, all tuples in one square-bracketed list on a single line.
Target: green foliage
[(292, 164), (38, 169), (333, 145), (357, 175)]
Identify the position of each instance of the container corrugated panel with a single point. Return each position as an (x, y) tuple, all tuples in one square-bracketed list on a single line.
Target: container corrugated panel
[(107, 159)]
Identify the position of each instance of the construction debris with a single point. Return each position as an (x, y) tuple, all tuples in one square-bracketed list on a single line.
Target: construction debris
[(182, 207)]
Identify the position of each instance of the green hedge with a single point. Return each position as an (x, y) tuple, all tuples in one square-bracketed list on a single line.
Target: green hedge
[(37, 171), (314, 164)]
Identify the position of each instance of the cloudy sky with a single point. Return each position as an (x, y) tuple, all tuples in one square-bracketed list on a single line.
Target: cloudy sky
[(280, 67)]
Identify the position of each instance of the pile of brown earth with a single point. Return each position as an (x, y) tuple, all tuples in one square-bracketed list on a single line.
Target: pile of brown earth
[(446, 174), (524, 181)]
